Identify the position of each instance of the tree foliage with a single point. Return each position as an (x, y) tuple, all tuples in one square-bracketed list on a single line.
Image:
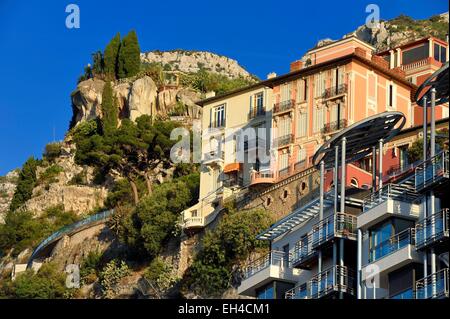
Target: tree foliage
[(47, 283), (110, 110), (110, 57), (229, 244), (26, 183), (129, 60), (22, 230)]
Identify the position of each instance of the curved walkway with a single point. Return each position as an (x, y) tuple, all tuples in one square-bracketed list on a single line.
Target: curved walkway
[(69, 230)]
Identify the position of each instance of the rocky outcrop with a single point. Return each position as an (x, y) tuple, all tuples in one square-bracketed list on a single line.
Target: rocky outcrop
[(81, 199), (194, 61), (8, 185), (135, 97), (87, 100)]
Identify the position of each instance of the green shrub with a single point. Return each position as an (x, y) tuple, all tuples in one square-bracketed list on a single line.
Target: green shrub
[(226, 246), (47, 283), (90, 267), (52, 151), (111, 275), (160, 275), (50, 174), (25, 184)]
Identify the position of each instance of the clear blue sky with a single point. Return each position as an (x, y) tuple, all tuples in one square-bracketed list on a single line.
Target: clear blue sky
[(40, 59)]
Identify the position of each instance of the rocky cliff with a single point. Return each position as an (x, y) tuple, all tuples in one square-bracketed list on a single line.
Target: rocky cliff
[(194, 61), (7, 187), (398, 31)]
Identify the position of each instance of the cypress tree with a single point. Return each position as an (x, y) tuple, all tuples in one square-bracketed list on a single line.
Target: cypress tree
[(110, 57), (25, 185), (129, 56), (109, 110)]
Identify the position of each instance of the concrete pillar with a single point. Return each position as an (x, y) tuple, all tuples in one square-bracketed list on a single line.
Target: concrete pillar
[(322, 173), (399, 56), (433, 123), (380, 165), (343, 169), (335, 177), (374, 169), (430, 47), (425, 128), (391, 59), (359, 265)]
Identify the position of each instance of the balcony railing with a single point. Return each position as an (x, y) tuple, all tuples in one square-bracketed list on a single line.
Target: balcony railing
[(432, 170), (284, 140), (393, 244), (405, 294), (273, 258), (213, 157), (335, 91), (303, 250), (256, 112), (337, 278), (283, 106), (433, 286), (388, 191), (300, 165), (432, 229), (336, 225), (334, 126)]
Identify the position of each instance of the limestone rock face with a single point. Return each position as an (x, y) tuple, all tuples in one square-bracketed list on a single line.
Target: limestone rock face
[(194, 61), (142, 99), (7, 189), (87, 100)]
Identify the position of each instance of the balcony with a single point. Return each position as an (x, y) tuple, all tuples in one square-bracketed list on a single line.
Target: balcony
[(432, 171), (393, 244), (262, 177), (272, 266), (256, 112), (212, 158), (335, 91), (334, 279), (284, 106), (434, 286), (432, 230), (392, 254), (193, 222), (334, 126), (283, 140), (337, 225), (303, 253), (405, 294), (392, 199), (255, 143)]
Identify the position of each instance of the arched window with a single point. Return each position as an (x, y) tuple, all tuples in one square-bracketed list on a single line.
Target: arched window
[(354, 182)]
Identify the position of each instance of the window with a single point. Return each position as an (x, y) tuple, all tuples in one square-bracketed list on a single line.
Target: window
[(302, 124), (217, 179), (218, 116), (391, 92), (284, 127), (302, 90), (319, 84), (377, 236), (439, 53), (354, 182), (285, 92), (415, 54), (372, 90), (283, 161), (257, 104), (194, 213), (319, 119), (266, 292), (301, 155)]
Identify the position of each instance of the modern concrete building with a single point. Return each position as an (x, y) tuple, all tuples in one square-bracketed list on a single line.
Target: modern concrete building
[(387, 240)]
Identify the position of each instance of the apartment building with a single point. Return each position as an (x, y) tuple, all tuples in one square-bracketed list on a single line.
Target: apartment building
[(388, 240), (419, 59), (332, 87)]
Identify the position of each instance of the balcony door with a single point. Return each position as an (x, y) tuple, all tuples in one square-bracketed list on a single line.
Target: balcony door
[(378, 236)]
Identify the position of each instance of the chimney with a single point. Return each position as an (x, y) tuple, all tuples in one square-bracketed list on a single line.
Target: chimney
[(271, 75), (296, 65), (210, 94)]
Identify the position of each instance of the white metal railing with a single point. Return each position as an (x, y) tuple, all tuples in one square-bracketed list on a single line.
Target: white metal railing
[(393, 244), (431, 170), (432, 228), (433, 286), (303, 249), (273, 258), (389, 191), (336, 278), (339, 224)]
